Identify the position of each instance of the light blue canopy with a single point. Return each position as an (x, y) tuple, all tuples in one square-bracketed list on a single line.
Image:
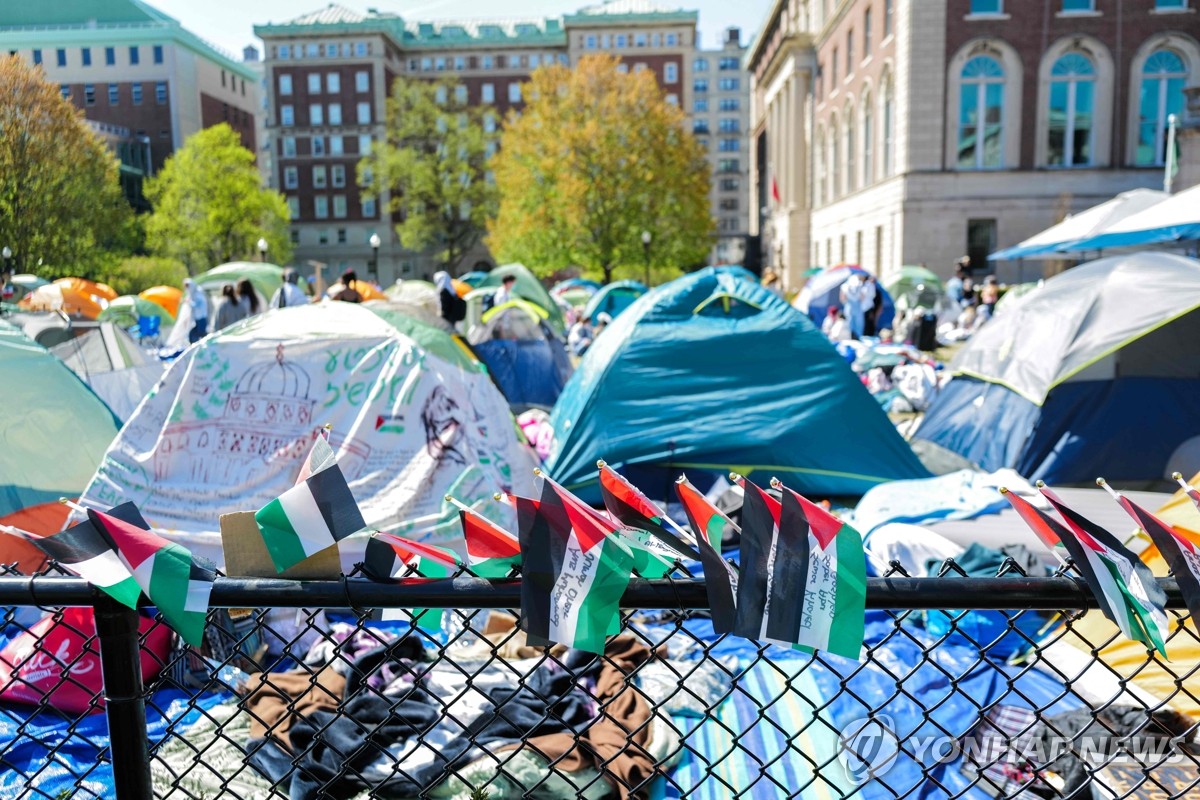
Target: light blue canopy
[(711, 373)]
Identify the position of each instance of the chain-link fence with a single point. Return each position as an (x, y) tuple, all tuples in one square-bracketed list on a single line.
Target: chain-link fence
[(307, 690)]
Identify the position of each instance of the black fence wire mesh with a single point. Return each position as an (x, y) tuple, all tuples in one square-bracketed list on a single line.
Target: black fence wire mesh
[(325, 689)]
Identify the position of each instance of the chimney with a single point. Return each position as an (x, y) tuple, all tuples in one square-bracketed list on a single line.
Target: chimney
[(733, 36), (249, 53)]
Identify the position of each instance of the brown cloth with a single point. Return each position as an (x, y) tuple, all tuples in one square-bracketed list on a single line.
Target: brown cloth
[(277, 698), (617, 742)]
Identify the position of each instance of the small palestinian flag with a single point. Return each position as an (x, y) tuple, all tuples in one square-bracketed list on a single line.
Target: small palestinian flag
[(573, 574), (1191, 491), (833, 609), (85, 551), (320, 457), (1043, 526), (309, 517), (1123, 585), (1180, 553), (626, 503), (774, 565), (166, 572), (652, 559), (720, 577), (388, 556), (492, 552)]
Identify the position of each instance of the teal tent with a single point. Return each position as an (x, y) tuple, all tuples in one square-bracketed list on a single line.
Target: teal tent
[(614, 298), (54, 428), (711, 373)]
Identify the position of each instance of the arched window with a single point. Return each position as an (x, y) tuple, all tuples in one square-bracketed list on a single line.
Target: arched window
[(981, 115), (1072, 108), (851, 148), (868, 138), (889, 120), (1163, 77), (822, 167), (835, 185)]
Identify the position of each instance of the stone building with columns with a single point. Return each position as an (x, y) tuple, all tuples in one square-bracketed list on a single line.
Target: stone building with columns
[(934, 130)]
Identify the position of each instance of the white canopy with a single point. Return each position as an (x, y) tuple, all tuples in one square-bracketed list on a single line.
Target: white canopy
[(1176, 218), (1051, 242)]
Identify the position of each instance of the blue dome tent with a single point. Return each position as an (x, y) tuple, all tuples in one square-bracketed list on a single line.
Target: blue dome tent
[(712, 372), (614, 298), (823, 290), (524, 356), (1096, 372)]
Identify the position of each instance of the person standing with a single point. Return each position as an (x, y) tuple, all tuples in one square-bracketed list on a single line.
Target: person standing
[(247, 298), (453, 307), (853, 296), (348, 293), (505, 293), (289, 294), (229, 309), (197, 303)]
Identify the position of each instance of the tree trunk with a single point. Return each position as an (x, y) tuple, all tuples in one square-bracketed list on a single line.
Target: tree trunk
[(608, 271)]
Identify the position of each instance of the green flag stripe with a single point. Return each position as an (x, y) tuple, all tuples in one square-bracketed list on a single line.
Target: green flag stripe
[(278, 535), (1140, 619), (599, 611), (168, 590), (849, 615)]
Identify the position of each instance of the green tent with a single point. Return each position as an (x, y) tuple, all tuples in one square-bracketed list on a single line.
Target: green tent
[(529, 288), (914, 285), (266, 278), (54, 428), (127, 309)]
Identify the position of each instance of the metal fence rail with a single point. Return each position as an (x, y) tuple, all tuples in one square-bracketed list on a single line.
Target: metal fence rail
[(302, 691)]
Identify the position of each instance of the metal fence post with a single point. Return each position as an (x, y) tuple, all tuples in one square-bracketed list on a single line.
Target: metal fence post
[(125, 704)]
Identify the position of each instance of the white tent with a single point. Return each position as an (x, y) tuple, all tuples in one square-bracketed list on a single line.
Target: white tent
[(1050, 243), (1175, 219), (110, 362)]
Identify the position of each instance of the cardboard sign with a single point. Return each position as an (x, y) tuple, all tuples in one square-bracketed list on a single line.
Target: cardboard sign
[(246, 555), (1164, 782)]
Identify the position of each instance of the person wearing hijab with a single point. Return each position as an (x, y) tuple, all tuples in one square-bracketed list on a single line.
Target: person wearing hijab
[(198, 306), (230, 308), (453, 307), (247, 299), (289, 294)]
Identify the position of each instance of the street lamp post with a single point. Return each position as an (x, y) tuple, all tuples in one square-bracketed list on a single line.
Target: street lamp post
[(646, 254), (7, 254), (375, 241), (262, 250)]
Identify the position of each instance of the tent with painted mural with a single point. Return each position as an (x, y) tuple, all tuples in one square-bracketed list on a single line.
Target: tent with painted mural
[(1096, 372), (54, 428), (414, 416), (712, 373)]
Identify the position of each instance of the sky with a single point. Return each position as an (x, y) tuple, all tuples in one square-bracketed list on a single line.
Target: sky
[(229, 24)]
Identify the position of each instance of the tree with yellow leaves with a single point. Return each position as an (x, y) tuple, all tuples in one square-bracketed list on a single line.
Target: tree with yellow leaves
[(596, 158)]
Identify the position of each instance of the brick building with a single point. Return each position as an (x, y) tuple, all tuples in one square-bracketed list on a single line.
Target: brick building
[(328, 77), (920, 132), (141, 79)]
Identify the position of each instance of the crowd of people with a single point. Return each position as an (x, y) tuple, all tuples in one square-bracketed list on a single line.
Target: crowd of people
[(857, 316), (977, 301)]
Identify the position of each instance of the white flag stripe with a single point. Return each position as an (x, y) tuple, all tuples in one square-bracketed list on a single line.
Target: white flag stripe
[(143, 572), (820, 593), (565, 605), (301, 509), (198, 594), (103, 570)]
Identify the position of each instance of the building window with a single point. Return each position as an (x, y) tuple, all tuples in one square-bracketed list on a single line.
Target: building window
[(291, 177), (729, 84), (285, 51), (700, 85), (333, 83), (337, 176), (89, 94), (341, 232), (318, 145), (1163, 77), (314, 83), (987, 6), (368, 207), (622, 68), (312, 50), (136, 92), (728, 204), (851, 152), (336, 148), (289, 146), (730, 184), (339, 206), (362, 49), (728, 165), (833, 62), (158, 54), (489, 123), (487, 62), (294, 234), (699, 126), (335, 113), (285, 85), (318, 177), (223, 81), (672, 39), (700, 104), (1072, 106), (439, 64), (1170, 5), (287, 115), (332, 50), (364, 144), (868, 139), (850, 51), (728, 63), (487, 93), (362, 81), (316, 114), (135, 55), (889, 133), (728, 104), (323, 233), (426, 64), (110, 56), (364, 113), (700, 65), (439, 95), (85, 57), (61, 57), (622, 41), (460, 95), (672, 98), (514, 93), (867, 33), (822, 167), (589, 42), (639, 40), (835, 161), (37, 56), (1069, 6), (65, 90), (981, 240), (728, 125), (670, 72), (293, 207), (981, 115)]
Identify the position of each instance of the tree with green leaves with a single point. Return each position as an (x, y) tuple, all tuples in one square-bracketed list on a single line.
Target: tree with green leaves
[(433, 163), (597, 157), (210, 206), (61, 206)]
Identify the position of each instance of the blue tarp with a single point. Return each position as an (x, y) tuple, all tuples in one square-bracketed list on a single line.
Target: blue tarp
[(711, 373)]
